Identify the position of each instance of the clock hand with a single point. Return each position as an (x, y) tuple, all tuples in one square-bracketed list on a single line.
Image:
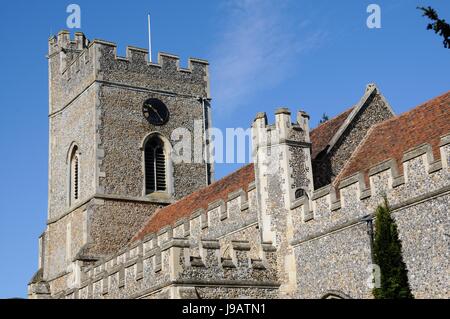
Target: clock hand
[(157, 113), (160, 117)]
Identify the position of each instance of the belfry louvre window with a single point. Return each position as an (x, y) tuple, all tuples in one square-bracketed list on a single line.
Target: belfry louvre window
[(74, 175), (76, 171), (155, 166)]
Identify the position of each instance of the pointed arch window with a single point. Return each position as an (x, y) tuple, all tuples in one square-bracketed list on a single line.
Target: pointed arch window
[(155, 165), (74, 182)]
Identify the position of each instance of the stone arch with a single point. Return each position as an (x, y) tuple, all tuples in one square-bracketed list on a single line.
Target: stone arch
[(73, 162), (157, 138), (335, 294)]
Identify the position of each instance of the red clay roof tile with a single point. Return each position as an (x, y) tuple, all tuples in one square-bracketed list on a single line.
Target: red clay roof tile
[(392, 138), (322, 135), (199, 199), (389, 139), (168, 215)]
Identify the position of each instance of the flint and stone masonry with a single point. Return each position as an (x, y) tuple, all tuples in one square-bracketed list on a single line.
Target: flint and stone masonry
[(292, 225)]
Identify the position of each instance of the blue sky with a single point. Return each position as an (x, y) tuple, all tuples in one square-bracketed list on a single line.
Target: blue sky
[(314, 55)]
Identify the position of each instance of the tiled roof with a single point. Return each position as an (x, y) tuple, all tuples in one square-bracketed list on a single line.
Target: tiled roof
[(389, 139), (426, 123), (322, 135), (199, 199), (168, 215)]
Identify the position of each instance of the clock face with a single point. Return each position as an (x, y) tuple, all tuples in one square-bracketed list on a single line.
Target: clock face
[(155, 111)]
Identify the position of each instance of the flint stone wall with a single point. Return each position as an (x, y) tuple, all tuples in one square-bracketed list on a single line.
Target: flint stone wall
[(331, 241)]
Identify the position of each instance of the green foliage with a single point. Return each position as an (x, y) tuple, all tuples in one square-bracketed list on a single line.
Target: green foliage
[(439, 27), (387, 251), (324, 118)]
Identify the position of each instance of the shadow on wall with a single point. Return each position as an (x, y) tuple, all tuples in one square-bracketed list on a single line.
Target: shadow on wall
[(322, 170)]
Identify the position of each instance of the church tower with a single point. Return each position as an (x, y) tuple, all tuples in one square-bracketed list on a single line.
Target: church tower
[(113, 124)]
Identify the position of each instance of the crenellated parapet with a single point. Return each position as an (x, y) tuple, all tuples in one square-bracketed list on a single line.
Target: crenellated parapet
[(283, 131), (220, 219), (76, 63), (419, 176), (162, 262), (71, 68), (200, 248)]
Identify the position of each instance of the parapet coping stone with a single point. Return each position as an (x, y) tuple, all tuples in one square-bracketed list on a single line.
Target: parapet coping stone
[(417, 151), (251, 186), (238, 193), (210, 244), (321, 192), (384, 166), (445, 140), (165, 229), (197, 213), (216, 204), (352, 179), (283, 110), (241, 245)]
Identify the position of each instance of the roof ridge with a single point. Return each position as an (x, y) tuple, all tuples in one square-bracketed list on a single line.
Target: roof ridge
[(365, 100), (333, 118), (394, 134), (218, 181), (199, 199), (414, 109), (232, 173), (203, 188), (244, 176)]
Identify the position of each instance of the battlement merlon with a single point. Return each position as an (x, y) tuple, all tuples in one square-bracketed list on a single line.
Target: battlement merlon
[(174, 260), (98, 59), (418, 177), (63, 42), (284, 131)]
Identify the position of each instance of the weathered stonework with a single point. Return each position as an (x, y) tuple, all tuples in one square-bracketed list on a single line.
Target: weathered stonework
[(162, 270), (280, 168), (96, 103), (120, 114), (324, 266), (332, 250), (420, 206), (374, 109), (425, 243), (108, 219), (275, 234), (73, 126), (56, 242)]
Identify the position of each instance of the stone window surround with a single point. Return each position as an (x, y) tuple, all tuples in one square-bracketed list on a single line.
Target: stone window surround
[(73, 153), (168, 193)]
